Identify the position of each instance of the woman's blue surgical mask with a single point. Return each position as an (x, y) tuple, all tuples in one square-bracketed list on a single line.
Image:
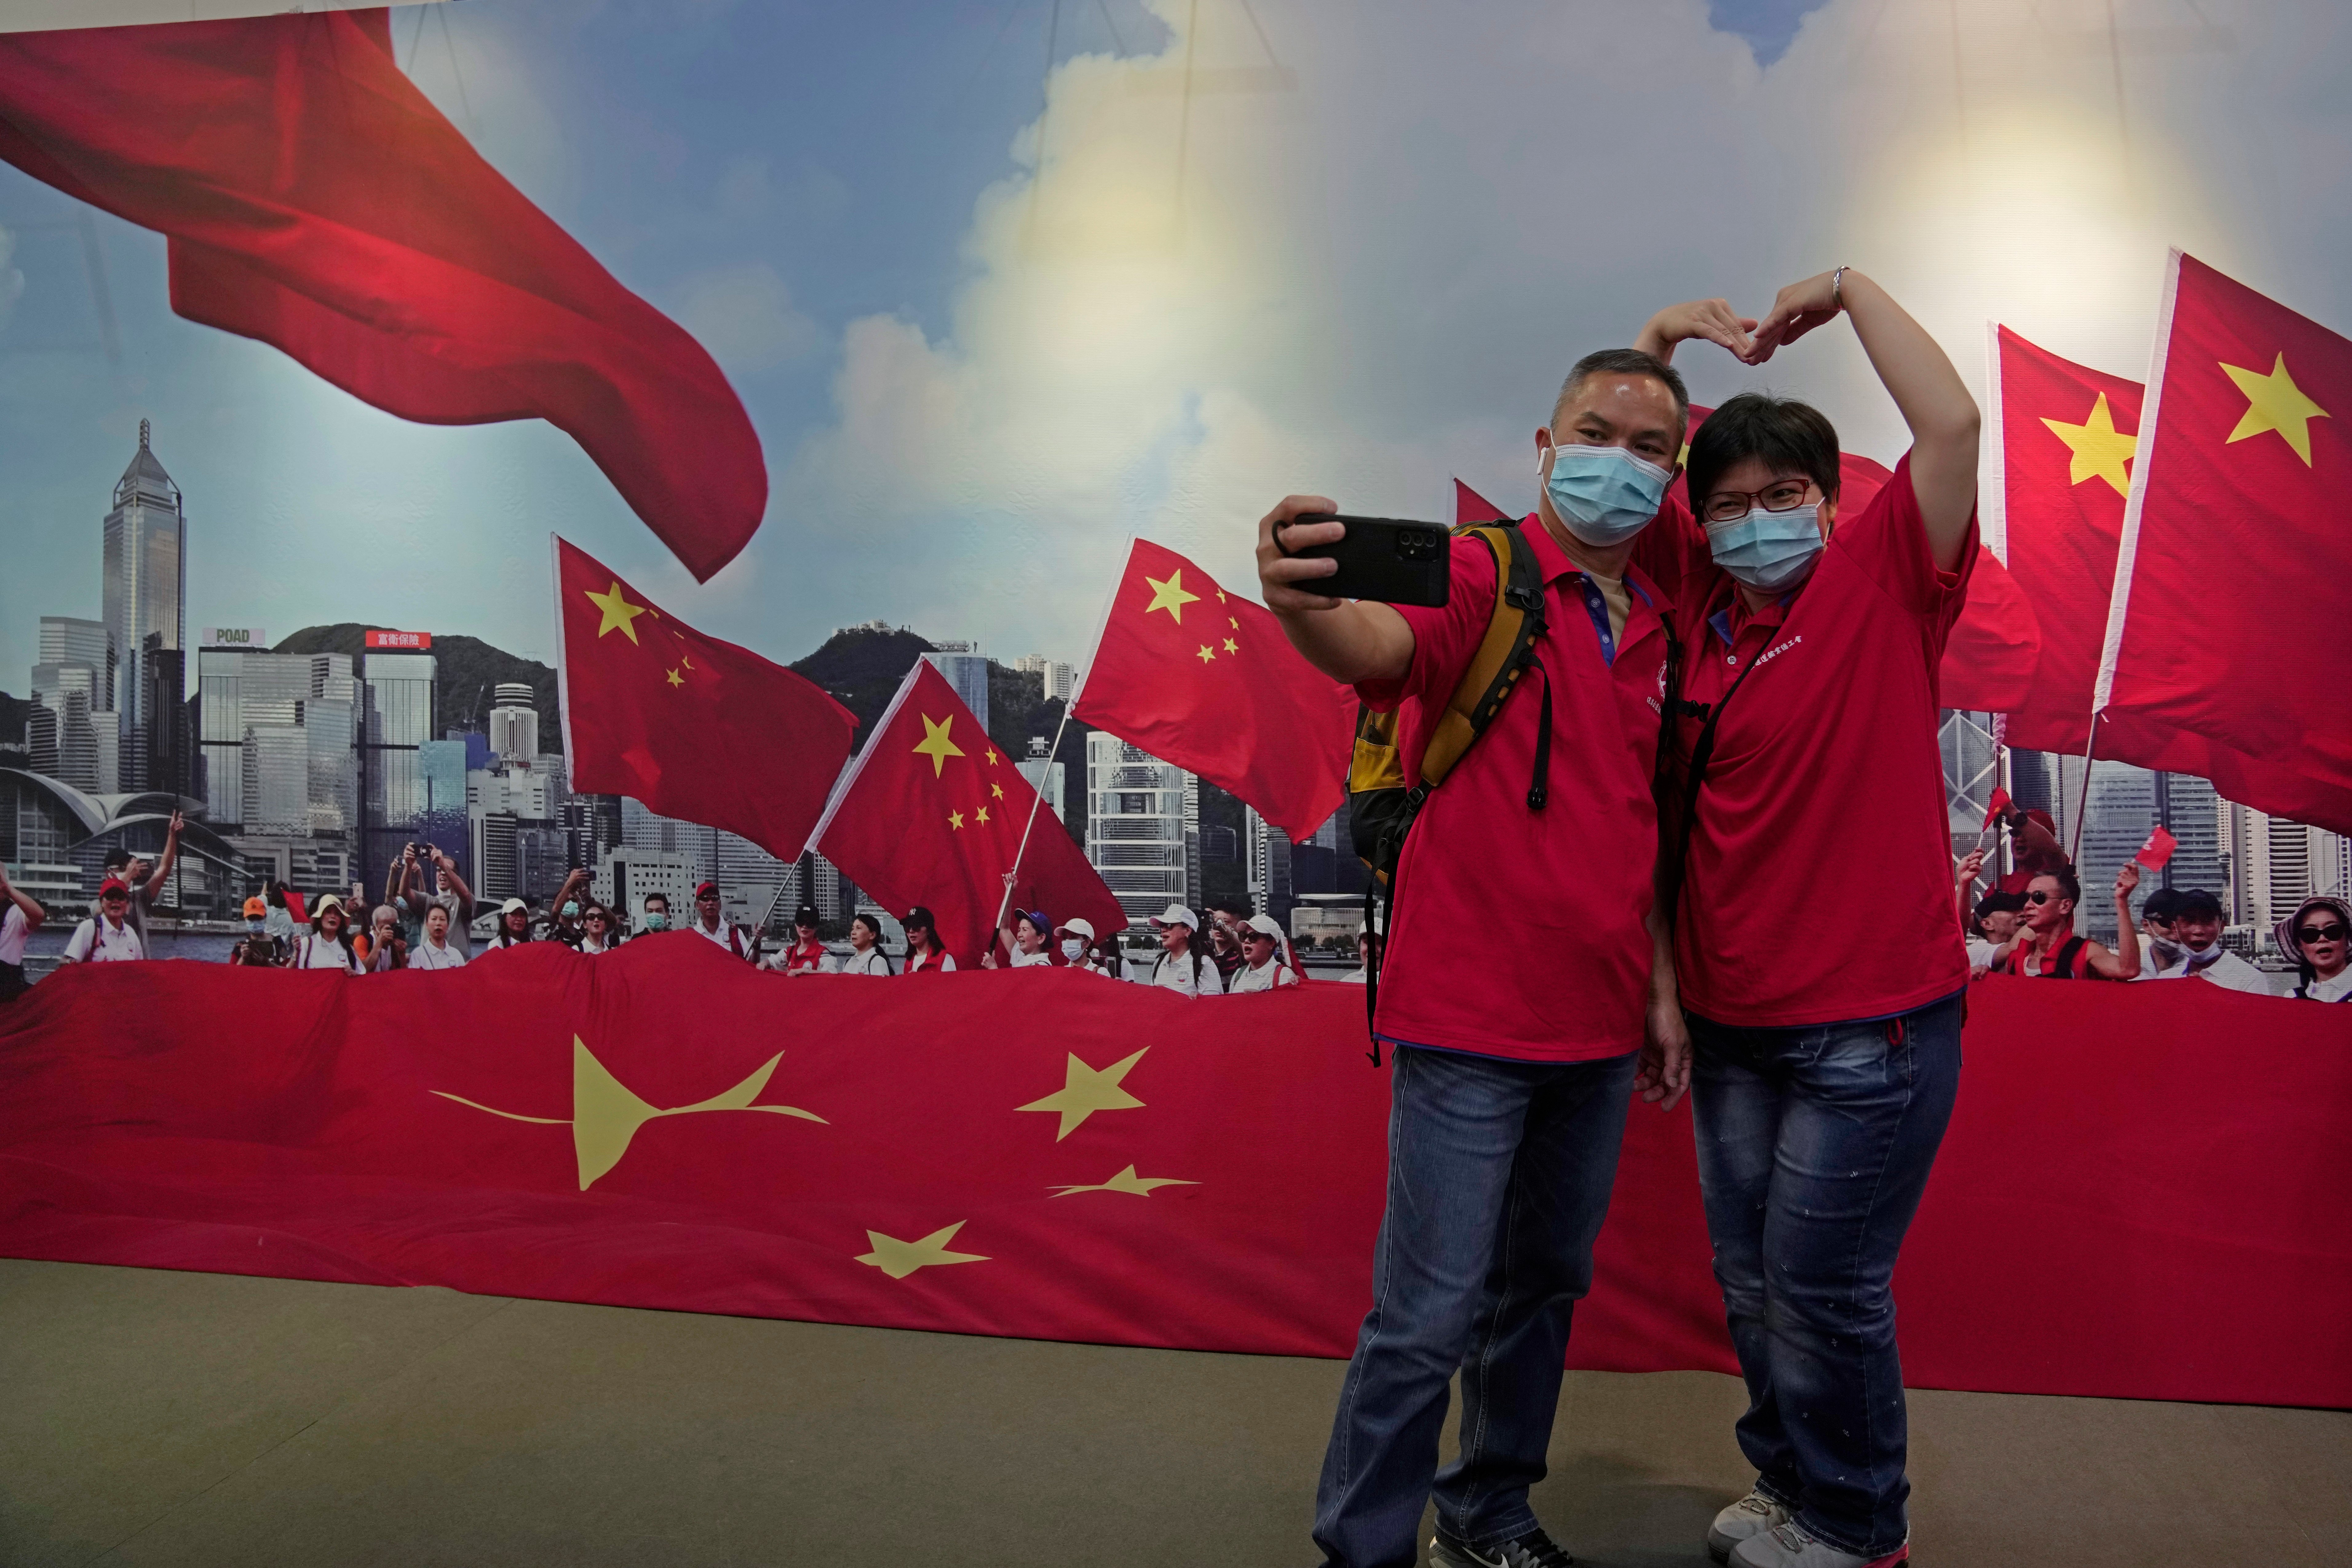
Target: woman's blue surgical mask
[(1072, 947), (1604, 495), (1770, 550)]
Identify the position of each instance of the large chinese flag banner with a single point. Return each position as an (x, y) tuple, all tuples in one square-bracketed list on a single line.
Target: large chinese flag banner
[(693, 728), (1207, 681), (2235, 574), (2067, 437), (314, 199), (933, 813), (1045, 1154)]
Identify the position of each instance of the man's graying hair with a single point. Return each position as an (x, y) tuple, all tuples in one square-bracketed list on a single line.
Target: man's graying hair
[(1624, 362)]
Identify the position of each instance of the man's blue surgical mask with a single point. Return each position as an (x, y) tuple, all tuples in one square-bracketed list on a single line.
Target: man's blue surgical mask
[(1605, 495), (570, 910), (1769, 550), (656, 919)]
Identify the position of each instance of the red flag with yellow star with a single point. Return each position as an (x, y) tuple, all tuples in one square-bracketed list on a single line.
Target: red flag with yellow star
[(933, 813), (697, 728), (1206, 680), (2233, 581)]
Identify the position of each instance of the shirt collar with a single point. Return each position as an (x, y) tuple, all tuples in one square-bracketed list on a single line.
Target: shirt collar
[(1554, 564)]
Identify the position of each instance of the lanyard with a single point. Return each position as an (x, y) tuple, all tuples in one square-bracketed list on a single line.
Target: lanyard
[(1702, 752)]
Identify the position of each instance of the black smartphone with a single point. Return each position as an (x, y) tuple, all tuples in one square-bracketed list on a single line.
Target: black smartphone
[(1385, 558)]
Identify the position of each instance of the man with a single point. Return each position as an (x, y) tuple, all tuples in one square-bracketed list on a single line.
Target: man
[(2160, 945), (436, 951), (1511, 1079), (2197, 923), (1996, 916), (1226, 942), (1367, 947), (146, 879), (108, 936), (712, 925), (449, 893), (656, 912), (24, 917), (257, 949), (1183, 968)]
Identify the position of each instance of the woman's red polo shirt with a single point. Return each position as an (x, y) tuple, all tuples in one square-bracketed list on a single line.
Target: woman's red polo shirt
[(1519, 933)]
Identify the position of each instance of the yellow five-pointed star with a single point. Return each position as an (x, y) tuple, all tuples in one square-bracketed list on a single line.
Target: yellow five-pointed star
[(1221, 596), (935, 743), (617, 611), (1169, 595), (2100, 449), (899, 1258), (997, 791), (991, 757), (955, 821), (982, 812), (2274, 402), (675, 679), (1129, 1181), (1233, 621), (1085, 1092), (1207, 652), (1231, 646)]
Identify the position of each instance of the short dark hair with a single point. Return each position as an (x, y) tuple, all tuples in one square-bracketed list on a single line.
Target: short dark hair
[(2197, 903), (2000, 904), (2163, 905), (2064, 875), (1624, 362), (116, 856), (1784, 432), (663, 897)]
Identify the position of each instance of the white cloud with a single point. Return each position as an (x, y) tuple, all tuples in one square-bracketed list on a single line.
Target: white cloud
[(744, 315)]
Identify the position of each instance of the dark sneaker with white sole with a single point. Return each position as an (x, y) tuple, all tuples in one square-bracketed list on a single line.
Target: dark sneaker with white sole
[(1533, 1550)]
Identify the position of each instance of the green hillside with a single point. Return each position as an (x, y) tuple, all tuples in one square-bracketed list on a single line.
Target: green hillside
[(467, 674)]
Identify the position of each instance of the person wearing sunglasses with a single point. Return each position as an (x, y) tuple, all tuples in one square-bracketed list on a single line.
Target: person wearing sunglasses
[(1825, 1061), (2049, 948), (599, 932), (2315, 936), (107, 936), (806, 953), (2197, 923)]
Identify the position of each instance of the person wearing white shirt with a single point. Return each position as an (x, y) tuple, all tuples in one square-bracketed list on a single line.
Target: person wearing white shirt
[(1265, 965), (1182, 967), (108, 936), (712, 925), (23, 919), (435, 950), (1025, 944), (329, 944), (1366, 944), (1996, 917), (865, 955), (2197, 921), (1076, 937), (2315, 936), (597, 930), (924, 954)]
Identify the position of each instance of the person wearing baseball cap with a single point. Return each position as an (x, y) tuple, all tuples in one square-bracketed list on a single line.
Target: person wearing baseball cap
[(514, 924), (1266, 962), (23, 919), (107, 936), (259, 949), (1182, 967), (924, 954), (805, 955), (711, 923), (1075, 937)]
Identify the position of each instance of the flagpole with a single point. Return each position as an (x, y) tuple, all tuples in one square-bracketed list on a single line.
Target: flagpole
[(2082, 797), (1037, 796)]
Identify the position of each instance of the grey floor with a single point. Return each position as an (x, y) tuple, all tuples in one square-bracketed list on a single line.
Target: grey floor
[(151, 1418)]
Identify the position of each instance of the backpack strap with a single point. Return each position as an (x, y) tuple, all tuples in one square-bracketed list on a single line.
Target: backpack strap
[(2069, 962), (1506, 652)]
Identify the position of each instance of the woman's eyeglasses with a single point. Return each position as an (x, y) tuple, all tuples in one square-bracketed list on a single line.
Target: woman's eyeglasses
[(1782, 495), (2319, 933)]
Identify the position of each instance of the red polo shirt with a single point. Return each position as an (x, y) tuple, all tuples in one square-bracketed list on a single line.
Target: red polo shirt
[(1487, 882), (1826, 790)]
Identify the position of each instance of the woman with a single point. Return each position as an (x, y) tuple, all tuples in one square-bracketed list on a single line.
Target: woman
[(1265, 965), (806, 953), (2046, 947), (383, 950), (329, 944), (2315, 936), (436, 951), (1025, 942), (924, 954), (257, 949), (1825, 1056), (1075, 939), (514, 924), (865, 955), (599, 932)]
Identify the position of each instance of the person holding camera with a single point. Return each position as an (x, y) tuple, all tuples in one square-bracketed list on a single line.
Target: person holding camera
[(449, 893), (1511, 1081), (1826, 1058)]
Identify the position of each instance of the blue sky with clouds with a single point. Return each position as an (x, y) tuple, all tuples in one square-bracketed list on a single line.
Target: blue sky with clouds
[(1358, 261)]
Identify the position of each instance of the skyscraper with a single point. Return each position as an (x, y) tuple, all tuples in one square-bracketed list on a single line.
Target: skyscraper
[(966, 668), (397, 691), (276, 734), (144, 591), (1138, 813)]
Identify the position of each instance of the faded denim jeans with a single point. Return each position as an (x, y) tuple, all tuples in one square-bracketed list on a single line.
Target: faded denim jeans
[(1499, 1174), (1815, 1146)]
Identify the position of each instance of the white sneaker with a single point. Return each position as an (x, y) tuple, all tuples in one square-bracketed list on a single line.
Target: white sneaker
[(1786, 1545), (1751, 1515)]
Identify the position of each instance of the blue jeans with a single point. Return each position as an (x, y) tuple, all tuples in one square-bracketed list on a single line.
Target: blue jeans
[(1499, 1179), (1814, 1145)]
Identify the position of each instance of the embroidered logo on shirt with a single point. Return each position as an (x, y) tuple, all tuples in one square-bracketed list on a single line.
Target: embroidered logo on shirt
[(1773, 654)]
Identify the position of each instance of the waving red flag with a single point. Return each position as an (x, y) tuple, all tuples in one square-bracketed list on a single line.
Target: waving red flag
[(2067, 443), (1206, 680), (315, 200), (933, 813), (1469, 507), (2234, 582), (696, 729)]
